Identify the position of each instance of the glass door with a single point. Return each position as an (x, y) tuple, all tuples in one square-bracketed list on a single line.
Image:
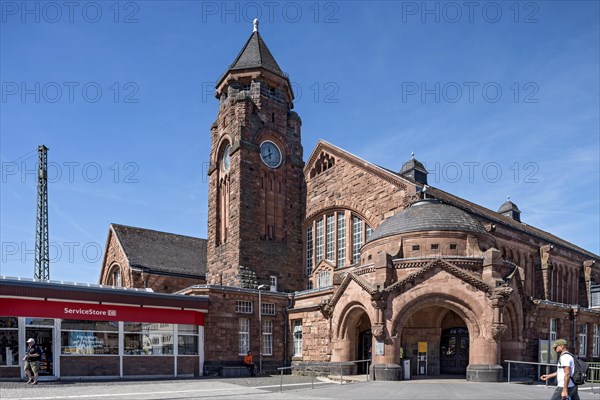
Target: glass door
[(43, 338)]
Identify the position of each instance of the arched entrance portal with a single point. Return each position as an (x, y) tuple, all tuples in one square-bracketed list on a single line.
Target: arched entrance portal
[(447, 341)]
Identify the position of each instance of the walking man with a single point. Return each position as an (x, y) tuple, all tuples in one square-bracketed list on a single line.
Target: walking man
[(32, 361), (566, 389)]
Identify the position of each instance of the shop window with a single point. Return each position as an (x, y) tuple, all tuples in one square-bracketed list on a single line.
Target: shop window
[(267, 336), (9, 345), (243, 307), (583, 339), (268, 308), (297, 337), (187, 340), (143, 338), (244, 336), (83, 337)]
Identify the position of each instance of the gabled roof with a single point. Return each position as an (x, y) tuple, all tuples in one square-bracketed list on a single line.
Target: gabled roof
[(162, 252), (255, 54), (383, 173)]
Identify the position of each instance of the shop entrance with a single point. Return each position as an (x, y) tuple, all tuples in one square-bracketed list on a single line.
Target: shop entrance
[(43, 338)]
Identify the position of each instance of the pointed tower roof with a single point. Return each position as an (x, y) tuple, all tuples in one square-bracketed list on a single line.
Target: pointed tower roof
[(255, 54)]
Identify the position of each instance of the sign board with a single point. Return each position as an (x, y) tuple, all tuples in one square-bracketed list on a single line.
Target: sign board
[(379, 347), (97, 312), (422, 347)]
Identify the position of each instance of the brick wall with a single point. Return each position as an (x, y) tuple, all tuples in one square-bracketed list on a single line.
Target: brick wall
[(89, 366)]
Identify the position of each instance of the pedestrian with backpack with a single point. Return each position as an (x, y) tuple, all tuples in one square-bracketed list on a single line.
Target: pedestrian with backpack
[(566, 388)]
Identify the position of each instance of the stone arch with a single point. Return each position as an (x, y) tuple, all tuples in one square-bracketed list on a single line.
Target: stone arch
[(348, 317), (355, 208), (352, 335), (115, 275), (450, 302)]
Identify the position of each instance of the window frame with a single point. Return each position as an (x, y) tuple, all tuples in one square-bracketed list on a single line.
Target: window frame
[(243, 336), (267, 333), (297, 338)]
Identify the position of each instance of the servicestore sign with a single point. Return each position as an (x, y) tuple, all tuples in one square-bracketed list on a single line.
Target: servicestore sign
[(12, 307)]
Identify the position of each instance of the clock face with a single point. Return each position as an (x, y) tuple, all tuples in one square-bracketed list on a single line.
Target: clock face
[(226, 161), (270, 154)]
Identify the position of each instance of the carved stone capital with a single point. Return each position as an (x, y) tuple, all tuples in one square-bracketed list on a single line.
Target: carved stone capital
[(378, 330), (500, 295), (498, 330)]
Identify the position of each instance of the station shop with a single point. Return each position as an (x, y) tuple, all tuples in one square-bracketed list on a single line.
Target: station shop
[(91, 331)]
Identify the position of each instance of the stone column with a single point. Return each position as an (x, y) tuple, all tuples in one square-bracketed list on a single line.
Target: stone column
[(485, 364)]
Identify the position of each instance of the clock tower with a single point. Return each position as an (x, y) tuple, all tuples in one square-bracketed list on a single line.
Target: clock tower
[(255, 176)]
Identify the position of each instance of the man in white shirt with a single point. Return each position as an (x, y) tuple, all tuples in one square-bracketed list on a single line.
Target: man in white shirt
[(564, 371)]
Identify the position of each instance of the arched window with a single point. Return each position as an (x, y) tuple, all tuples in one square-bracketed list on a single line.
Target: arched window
[(115, 276), (223, 189), (337, 237)]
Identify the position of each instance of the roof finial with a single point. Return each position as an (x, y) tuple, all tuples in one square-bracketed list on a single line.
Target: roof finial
[(412, 154), (508, 197), (255, 24)]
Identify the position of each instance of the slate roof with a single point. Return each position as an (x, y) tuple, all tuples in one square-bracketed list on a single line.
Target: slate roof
[(428, 215), (508, 206), (162, 252), (412, 164), (255, 54), (499, 218)]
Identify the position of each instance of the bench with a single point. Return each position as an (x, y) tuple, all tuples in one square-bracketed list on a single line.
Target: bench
[(235, 372)]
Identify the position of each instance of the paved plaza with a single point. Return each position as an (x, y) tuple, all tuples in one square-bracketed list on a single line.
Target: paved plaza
[(267, 388)]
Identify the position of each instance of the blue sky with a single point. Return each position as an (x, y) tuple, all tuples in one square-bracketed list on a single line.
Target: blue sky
[(498, 99)]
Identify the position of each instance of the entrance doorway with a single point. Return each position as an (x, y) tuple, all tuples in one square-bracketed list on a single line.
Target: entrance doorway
[(365, 340), (454, 351), (43, 338)]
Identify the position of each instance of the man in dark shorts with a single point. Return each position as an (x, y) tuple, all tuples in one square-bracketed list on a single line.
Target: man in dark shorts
[(32, 361)]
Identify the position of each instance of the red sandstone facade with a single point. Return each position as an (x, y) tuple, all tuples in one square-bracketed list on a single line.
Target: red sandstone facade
[(367, 262)]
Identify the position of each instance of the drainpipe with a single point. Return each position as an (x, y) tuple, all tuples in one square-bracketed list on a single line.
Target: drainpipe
[(286, 322)]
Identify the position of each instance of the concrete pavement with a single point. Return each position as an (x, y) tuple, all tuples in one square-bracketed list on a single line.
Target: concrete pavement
[(267, 388)]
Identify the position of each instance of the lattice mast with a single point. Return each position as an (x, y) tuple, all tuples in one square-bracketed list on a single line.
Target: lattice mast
[(41, 269)]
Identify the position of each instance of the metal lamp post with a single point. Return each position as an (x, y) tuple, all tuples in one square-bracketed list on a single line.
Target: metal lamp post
[(260, 344)]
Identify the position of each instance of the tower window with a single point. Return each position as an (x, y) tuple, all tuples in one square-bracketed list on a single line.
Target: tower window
[(272, 117), (435, 246), (452, 246), (416, 247)]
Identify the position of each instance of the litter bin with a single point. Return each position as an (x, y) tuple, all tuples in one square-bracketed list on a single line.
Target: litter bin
[(406, 369)]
